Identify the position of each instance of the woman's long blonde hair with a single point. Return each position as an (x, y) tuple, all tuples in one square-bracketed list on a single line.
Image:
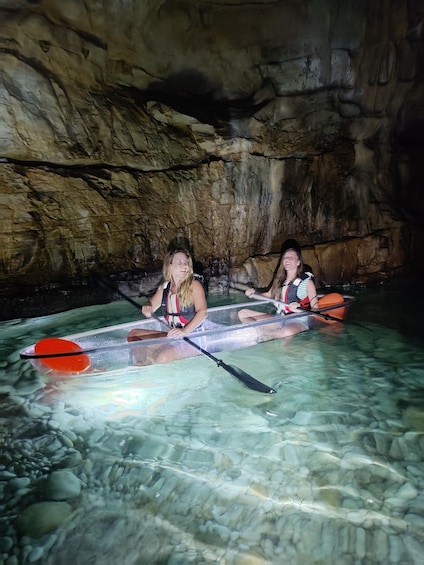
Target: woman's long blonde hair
[(185, 288), (281, 274)]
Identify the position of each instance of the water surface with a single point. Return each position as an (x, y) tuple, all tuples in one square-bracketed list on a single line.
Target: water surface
[(182, 464)]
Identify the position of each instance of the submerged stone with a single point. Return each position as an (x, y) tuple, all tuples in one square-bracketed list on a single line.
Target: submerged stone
[(62, 485), (42, 517)]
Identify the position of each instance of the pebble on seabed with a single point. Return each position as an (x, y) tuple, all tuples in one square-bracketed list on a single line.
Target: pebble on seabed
[(42, 517), (62, 485)]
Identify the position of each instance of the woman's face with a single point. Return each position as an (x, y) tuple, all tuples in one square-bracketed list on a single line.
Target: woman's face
[(180, 266), (291, 260)]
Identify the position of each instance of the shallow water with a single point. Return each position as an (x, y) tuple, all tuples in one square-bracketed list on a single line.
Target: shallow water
[(182, 464)]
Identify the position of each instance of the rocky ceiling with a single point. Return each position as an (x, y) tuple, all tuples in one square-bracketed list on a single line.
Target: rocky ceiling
[(125, 124)]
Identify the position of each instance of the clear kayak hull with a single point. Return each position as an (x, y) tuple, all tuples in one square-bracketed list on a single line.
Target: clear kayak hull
[(107, 349)]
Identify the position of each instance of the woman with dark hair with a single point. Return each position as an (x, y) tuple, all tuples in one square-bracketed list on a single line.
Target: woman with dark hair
[(290, 285)]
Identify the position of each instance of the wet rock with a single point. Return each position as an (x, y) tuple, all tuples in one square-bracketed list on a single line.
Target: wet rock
[(62, 485), (312, 134), (42, 517), (6, 543)]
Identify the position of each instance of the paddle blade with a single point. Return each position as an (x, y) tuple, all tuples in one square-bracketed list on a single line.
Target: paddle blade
[(247, 379), (68, 362), (333, 299)]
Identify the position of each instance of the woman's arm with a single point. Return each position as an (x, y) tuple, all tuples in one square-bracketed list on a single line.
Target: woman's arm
[(312, 295), (153, 304), (251, 291)]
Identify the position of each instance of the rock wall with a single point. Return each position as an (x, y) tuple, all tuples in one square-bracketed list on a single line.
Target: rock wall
[(124, 125)]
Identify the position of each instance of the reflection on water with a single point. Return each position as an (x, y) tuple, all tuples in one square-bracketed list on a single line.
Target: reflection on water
[(182, 464)]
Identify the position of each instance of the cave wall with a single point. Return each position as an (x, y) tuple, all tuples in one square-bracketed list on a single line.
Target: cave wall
[(126, 124)]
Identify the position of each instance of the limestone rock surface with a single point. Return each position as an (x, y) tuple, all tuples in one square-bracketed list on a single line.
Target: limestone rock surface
[(125, 125)]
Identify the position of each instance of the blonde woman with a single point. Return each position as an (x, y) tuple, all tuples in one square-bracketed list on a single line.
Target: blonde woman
[(183, 300)]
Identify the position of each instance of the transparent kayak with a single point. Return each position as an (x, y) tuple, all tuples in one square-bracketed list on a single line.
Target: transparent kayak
[(107, 349)]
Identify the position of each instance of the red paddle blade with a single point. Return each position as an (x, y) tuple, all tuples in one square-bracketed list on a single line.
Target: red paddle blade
[(333, 299), (65, 364)]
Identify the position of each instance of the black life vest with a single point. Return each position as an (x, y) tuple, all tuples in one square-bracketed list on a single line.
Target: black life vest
[(296, 291)]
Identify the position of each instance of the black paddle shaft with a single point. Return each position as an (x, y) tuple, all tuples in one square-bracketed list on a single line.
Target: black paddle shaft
[(323, 314), (238, 373), (114, 288)]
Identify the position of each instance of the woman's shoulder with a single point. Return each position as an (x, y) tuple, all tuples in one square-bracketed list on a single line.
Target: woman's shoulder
[(306, 275), (198, 282), (198, 287)]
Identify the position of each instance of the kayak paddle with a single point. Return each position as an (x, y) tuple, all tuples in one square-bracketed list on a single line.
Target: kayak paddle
[(236, 372), (317, 312), (337, 300)]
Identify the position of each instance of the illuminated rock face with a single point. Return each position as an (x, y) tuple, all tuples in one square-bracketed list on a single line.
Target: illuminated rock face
[(234, 125)]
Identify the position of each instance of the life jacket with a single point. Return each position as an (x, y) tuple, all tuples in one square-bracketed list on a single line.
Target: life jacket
[(179, 318), (296, 291)]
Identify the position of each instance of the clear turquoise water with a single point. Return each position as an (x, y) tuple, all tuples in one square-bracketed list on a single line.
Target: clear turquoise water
[(182, 464)]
